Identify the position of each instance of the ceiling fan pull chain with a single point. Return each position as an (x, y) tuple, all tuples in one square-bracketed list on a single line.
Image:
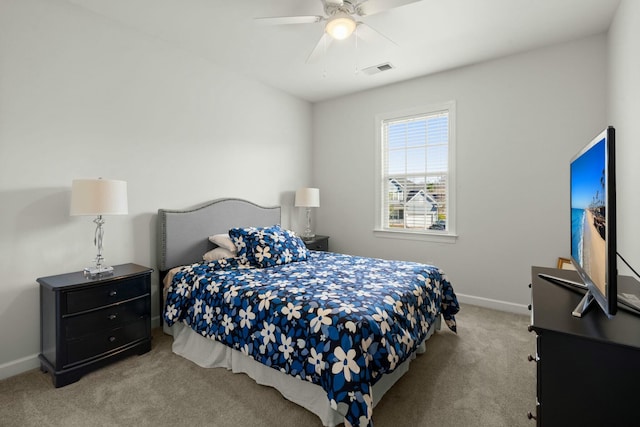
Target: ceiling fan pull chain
[(356, 51), (325, 73)]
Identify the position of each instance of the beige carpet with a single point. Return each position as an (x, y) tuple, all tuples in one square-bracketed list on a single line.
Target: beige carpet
[(480, 377)]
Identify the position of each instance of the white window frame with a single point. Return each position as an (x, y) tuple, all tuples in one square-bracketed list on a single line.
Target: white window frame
[(445, 236)]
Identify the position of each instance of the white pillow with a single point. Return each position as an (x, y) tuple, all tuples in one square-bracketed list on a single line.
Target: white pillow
[(223, 241), (218, 253)]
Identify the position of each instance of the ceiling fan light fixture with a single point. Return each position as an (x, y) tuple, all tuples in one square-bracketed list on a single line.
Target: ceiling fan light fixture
[(340, 26)]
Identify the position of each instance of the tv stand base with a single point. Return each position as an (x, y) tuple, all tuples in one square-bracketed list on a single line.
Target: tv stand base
[(583, 305)]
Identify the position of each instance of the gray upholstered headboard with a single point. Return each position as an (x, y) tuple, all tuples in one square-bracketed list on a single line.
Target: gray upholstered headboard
[(183, 234)]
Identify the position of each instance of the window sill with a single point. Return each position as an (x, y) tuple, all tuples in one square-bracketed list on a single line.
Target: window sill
[(415, 235)]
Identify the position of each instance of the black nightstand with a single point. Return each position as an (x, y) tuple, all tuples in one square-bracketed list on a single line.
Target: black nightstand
[(318, 243), (86, 323)]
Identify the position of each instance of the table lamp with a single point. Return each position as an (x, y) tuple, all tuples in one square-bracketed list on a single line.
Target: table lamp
[(98, 197), (308, 198)]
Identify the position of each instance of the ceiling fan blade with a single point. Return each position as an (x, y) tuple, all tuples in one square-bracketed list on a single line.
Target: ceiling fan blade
[(286, 20), (370, 7), (367, 33), (321, 47), (333, 2)]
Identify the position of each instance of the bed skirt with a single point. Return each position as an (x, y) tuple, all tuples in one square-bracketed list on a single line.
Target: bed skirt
[(208, 353)]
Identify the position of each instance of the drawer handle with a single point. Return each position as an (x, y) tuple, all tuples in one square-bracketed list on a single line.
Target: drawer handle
[(112, 316), (113, 293), (529, 307), (112, 339), (530, 358), (531, 416)]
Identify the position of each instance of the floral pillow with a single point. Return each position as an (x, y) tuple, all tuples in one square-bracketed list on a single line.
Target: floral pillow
[(243, 240), (277, 246)]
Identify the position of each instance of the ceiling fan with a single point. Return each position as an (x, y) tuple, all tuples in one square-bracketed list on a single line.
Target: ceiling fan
[(341, 20)]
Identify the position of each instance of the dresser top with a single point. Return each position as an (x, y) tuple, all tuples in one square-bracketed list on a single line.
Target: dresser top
[(79, 278), (553, 304)]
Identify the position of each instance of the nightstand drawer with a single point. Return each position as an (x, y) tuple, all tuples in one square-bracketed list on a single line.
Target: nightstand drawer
[(102, 342), (107, 318), (105, 294), (319, 246), (318, 243)]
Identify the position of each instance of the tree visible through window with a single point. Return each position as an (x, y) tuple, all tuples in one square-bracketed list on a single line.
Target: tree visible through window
[(415, 185)]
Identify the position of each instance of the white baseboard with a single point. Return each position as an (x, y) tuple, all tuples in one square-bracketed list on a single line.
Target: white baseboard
[(155, 322), (494, 304), (19, 366)]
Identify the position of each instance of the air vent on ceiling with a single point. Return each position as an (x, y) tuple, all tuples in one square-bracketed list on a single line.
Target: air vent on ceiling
[(377, 68)]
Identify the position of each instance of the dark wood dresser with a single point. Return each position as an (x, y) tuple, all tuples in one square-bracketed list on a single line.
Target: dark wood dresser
[(588, 369), (318, 243), (87, 322)]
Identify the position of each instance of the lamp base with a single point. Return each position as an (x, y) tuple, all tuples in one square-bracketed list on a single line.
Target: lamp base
[(308, 233), (103, 270)]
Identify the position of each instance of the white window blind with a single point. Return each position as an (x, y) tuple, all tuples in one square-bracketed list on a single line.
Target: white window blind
[(415, 183)]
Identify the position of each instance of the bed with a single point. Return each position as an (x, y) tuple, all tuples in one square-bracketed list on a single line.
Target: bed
[(330, 332)]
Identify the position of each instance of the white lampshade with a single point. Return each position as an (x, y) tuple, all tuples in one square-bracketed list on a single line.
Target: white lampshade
[(307, 198), (99, 197), (340, 26)]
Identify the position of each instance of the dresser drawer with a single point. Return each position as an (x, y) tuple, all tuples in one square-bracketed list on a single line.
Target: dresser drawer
[(538, 368), (106, 318), (105, 341), (106, 294)]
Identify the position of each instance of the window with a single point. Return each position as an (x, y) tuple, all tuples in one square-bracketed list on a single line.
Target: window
[(415, 183)]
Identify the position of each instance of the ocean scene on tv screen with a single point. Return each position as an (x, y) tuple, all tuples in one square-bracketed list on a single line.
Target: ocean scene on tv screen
[(588, 223)]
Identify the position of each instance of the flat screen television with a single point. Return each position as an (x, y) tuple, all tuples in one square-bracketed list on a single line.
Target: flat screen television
[(593, 222)]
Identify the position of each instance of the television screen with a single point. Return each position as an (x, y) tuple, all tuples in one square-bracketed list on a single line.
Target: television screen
[(593, 230)]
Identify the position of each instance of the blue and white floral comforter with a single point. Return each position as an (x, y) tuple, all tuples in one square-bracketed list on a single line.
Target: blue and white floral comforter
[(335, 320)]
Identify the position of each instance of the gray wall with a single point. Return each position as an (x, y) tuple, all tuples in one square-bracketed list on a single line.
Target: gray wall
[(519, 121), (624, 114), (81, 97)]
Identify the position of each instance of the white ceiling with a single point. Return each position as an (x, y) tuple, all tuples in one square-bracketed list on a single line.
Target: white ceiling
[(431, 36)]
